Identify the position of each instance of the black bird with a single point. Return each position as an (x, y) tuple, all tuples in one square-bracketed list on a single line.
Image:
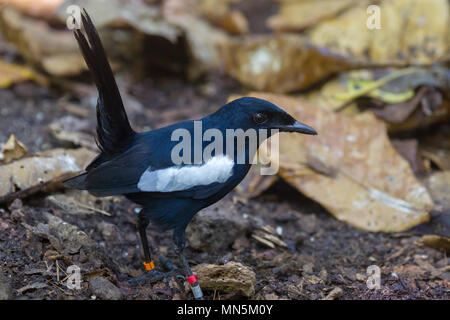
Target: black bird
[(140, 165)]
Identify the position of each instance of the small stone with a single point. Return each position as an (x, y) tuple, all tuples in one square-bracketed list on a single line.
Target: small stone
[(5, 288), (216, 228), (232, 277), (104, 289), (334, 294), (361, 277), (16, 204), (308, 268), (109, 232)]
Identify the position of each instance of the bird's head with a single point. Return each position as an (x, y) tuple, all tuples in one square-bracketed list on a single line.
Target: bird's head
[(253, 113)]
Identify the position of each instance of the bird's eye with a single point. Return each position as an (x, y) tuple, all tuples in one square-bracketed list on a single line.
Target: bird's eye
[(259, 118)]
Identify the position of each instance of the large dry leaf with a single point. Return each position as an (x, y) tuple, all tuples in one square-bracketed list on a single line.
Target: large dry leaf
[(296, 15), (351, 169), (281, 62), (40, 169), (412, 31)]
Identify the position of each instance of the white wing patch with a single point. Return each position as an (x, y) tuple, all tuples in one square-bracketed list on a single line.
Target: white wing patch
[(216, 169)]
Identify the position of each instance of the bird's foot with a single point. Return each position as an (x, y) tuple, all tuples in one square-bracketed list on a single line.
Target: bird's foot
[(154, 275), (150, 276)]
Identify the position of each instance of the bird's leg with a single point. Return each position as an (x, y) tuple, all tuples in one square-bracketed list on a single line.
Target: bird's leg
[(180, 240), (153, 274)]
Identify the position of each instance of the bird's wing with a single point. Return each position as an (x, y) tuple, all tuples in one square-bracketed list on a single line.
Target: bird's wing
[(135, 172)]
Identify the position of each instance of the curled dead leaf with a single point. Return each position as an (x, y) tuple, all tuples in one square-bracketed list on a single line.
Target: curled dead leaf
[(12, 150)]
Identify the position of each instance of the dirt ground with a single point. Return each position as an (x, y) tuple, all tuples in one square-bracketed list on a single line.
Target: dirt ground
[(322, 253)]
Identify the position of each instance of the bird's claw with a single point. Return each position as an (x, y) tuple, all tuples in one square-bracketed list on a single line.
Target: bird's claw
[(152, 276), (156, 275)]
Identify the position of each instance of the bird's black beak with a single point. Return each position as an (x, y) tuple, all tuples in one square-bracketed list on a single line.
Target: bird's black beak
[(297, 127)]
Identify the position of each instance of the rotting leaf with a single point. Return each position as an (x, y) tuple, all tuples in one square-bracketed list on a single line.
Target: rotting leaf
[(29, 175), (12, 150), (373, 188), (281, 62), (405, 98)]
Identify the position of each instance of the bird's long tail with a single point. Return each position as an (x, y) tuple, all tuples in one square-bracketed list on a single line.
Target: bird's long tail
[(114, 132)]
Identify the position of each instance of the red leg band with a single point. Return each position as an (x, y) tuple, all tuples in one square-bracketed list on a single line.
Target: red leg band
[(192, 279)]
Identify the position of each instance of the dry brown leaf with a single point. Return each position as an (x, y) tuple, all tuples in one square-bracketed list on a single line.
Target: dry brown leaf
[(436, 241), (12, 150), (299, 15), (372, 187), (280, 62), (42, 168), (11, 74), (412, 31)]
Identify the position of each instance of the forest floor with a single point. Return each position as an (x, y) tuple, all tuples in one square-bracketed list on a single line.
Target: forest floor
[(322, 253)]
